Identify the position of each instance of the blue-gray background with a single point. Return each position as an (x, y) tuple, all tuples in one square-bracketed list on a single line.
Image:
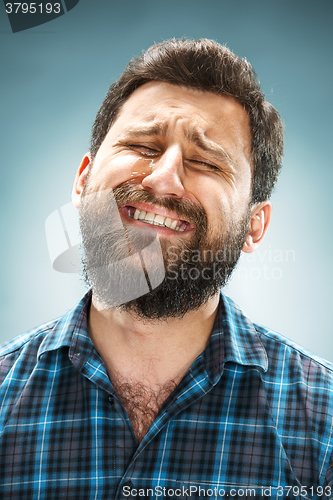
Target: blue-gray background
[(53, 80)]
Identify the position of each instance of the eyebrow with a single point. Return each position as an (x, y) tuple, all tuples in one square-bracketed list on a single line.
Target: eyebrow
[(193, 136)]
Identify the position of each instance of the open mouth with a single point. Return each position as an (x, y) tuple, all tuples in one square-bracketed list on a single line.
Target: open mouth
[(156, 219)]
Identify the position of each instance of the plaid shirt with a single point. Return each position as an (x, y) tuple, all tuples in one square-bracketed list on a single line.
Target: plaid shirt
[(252, 418)]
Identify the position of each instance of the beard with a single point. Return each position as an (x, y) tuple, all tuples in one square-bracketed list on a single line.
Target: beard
[(175, 277)]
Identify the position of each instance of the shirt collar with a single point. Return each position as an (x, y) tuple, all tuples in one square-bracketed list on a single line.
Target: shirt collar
[(68, 328), (234, 339)]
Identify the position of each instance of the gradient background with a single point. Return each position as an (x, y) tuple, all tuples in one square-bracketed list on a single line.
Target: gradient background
[(53, 80)]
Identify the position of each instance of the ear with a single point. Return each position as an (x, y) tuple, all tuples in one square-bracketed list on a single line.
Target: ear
[(80, 179), (260, 219)]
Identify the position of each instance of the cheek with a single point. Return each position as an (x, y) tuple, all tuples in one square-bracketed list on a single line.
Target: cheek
[(213, 196), (215, 207), (218, 219), (113, 171), (222, 208), (140, 169)]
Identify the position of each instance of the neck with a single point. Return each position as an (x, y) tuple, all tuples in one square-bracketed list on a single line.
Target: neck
[(151, 352)]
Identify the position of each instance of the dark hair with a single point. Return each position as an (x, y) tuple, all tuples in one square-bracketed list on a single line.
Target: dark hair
[(207, 66)]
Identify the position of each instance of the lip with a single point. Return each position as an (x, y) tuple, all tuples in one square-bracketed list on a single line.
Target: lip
[(156, 210)]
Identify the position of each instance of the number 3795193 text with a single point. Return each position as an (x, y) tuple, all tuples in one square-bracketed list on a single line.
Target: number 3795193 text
[(33, 8)]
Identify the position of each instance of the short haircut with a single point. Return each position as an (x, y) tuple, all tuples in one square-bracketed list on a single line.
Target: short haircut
[(210, 67)]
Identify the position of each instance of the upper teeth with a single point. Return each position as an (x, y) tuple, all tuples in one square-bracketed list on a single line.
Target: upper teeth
[(157, 219)]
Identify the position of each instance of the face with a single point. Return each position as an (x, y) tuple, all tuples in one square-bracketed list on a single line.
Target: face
[(179, 159), (180, 143)]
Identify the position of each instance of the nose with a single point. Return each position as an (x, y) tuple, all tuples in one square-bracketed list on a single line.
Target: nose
[(165, 178)]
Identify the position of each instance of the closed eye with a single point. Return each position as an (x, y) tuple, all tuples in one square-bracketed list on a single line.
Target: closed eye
[(144, 150), (202, 165)]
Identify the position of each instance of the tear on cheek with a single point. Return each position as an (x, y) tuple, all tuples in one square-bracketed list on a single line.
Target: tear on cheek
[(141, 169)]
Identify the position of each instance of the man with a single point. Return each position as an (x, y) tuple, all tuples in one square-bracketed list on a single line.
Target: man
[(172, 393)]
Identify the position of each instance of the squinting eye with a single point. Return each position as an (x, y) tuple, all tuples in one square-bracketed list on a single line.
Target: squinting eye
[(202, 165), (143, 149)]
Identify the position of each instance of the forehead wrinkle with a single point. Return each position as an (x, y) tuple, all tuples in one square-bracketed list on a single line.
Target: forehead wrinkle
[(148, 129)]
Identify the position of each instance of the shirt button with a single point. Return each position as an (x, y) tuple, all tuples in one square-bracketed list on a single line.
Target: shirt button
[(111, 399)]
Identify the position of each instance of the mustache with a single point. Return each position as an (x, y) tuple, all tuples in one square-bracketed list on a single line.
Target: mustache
[(127, 193)]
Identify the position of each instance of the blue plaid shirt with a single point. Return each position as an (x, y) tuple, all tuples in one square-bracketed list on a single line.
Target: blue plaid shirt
[(252, 418)]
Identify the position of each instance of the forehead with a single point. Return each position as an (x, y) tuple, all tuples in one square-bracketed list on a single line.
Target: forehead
[(165, 104)]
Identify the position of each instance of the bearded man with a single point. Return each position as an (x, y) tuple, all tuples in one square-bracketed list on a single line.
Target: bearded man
[(170, 392)]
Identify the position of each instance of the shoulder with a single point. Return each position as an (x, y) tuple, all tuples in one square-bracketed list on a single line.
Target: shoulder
[(277, 346), (294, 385), (282, 349), (298, 383), (24, 348), (287, 362), (21, 354), (18, 342), (19, 360), (29, 362)]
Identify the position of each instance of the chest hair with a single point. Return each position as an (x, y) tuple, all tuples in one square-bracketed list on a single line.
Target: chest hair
[(142, 404)]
